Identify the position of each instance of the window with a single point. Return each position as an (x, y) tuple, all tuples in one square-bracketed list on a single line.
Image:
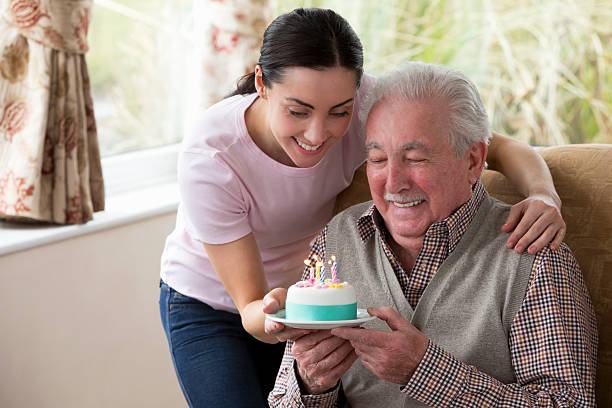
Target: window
[(543, 68), (138, 62)]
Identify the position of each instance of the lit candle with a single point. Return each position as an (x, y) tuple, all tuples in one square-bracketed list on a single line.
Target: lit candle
[(318, 265), (310, 268), (322, 272), (334, 268)]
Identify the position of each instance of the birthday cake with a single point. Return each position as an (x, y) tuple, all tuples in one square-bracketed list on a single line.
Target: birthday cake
[(321, 299)]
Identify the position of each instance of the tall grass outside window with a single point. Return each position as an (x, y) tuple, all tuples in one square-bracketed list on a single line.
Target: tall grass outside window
[(543, 67)]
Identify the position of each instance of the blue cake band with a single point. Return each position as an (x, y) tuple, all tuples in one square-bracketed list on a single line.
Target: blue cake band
[(296, 311)]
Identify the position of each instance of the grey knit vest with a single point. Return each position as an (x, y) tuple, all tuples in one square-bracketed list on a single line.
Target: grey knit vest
[(466, 309)]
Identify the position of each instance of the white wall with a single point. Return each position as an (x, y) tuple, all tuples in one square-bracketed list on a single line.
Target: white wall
[(79, 322)]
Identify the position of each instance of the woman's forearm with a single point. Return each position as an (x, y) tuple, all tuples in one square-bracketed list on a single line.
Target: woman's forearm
[(239, 267), (523, 166)]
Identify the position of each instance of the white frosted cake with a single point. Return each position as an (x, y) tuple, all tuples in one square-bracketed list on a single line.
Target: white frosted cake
[(316, 300)]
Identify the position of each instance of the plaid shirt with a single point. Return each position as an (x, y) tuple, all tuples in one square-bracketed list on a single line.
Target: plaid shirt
[(552, 340)]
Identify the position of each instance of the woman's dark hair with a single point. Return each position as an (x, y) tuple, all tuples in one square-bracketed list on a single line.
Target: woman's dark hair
[(312, 38)]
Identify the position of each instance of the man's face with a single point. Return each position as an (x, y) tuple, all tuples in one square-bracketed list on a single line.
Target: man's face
[(414, 175)]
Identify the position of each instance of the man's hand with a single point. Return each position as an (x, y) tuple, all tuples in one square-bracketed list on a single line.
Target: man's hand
[(273, 302), (321, 360), (390, 356)]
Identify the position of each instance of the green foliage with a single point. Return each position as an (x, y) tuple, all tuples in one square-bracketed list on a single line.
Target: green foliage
[(543, 67)]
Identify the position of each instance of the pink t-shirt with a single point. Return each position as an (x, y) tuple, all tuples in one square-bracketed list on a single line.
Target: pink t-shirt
[(229, 188)]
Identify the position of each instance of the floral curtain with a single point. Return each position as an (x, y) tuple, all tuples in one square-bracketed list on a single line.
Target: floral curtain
[(229, 36), (49, 156)]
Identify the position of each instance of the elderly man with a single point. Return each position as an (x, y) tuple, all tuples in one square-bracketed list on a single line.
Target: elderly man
[(463, 321)]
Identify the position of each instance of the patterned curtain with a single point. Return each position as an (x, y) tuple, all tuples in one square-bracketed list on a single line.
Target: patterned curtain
[(228, 39), (49, 156)]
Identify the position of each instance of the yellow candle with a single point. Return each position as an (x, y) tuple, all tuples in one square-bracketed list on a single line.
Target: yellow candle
[(319, 264)]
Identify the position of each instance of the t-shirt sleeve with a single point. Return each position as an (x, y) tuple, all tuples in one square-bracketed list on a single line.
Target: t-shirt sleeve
[(213, 207)]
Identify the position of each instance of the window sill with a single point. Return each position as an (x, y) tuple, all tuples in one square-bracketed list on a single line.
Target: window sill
[(139, 185), (120, 209)]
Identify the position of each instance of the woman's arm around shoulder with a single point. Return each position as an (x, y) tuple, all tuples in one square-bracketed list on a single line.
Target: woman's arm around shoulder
[(537, 220)]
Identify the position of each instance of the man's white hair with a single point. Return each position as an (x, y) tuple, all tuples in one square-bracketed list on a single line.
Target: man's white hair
[(418, 81)]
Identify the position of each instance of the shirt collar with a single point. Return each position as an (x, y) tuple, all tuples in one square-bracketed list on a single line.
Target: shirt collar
[(453, 226)]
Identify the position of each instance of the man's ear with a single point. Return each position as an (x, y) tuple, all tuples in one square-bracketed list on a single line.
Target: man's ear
[(259, 85), (477, 155)]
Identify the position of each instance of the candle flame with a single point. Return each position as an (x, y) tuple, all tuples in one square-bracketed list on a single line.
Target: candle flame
[(307, 262)]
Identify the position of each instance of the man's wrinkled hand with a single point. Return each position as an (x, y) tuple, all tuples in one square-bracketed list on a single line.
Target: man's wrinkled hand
[(392, 356), (321, 360)]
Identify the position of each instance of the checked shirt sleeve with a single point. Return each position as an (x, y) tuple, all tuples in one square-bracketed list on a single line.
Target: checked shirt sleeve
[(553, 343)]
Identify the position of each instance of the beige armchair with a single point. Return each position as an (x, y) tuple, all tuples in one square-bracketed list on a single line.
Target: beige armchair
[(583, 178)]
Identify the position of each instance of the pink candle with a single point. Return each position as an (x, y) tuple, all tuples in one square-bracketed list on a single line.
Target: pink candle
[(334, 269)]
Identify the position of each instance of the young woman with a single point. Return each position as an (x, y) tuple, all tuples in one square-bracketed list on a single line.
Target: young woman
[(258, 179)]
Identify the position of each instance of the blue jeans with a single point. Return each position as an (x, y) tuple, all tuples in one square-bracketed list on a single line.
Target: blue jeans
[(218, 364)]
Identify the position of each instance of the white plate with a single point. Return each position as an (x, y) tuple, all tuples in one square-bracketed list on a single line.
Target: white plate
[(362, 317)]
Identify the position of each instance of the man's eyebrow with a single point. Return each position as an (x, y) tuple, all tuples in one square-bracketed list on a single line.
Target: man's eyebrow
[(414, 146), (372, 145), (408, 146), (312, 107)]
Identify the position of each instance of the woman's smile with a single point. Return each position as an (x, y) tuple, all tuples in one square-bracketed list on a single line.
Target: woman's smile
[(307, 148)]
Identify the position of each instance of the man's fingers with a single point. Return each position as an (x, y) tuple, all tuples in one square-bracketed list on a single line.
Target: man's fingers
[(292, 334), (309, 341), (357, 335), (372, 337), (323, 373), (393, 319), (314, 347)]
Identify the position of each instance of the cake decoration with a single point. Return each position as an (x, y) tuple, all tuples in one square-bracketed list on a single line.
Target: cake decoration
[(319, 298)]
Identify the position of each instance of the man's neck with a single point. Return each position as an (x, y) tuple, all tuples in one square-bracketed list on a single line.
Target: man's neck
[(406, 255)]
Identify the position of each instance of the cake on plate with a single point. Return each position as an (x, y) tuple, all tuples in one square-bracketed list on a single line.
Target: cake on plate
[(320, 299)]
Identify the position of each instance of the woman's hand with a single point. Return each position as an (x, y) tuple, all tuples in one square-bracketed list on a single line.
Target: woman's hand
[(272, 303), (536, 221)]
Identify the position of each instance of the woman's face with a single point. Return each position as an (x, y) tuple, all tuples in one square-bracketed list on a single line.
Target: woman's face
[(308, 112)]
